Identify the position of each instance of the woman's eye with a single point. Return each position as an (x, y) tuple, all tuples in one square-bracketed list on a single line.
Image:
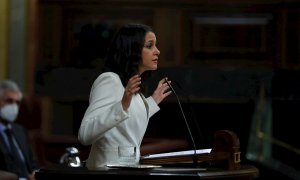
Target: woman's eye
[(148, 46)]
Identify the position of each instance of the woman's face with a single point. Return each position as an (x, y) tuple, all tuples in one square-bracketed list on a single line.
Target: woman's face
[(149, 54)]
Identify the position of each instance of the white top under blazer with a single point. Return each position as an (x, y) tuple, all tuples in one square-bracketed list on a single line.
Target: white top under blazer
[(106, 125)]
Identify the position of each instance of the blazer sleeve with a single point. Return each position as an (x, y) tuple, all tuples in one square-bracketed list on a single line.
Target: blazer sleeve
[(105, 110), (153, 107)]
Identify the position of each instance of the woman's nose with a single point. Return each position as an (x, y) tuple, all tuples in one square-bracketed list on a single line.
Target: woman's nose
[(157, 51)]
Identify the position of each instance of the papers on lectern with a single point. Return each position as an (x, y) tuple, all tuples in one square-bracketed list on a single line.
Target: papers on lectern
[(177, 153)]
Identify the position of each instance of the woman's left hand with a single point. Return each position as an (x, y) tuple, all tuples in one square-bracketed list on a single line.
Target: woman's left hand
[(162, 91)]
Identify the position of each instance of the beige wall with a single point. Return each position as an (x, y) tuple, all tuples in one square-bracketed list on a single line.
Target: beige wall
[(3, 38), (13, 44)]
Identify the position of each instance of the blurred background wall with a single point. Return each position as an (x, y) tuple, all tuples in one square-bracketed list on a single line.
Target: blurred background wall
[(234, 63)]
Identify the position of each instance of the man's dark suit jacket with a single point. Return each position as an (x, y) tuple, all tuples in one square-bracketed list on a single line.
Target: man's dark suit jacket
[(21, 136)]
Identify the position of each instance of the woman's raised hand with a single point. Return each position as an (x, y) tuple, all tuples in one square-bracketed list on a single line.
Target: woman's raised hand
[(132, 87), (162, 90)]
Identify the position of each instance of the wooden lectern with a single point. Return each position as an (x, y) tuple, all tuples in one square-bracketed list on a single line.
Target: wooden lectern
[(224, 153)]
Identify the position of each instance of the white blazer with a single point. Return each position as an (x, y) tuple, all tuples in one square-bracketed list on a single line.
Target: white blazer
[(106, 125)]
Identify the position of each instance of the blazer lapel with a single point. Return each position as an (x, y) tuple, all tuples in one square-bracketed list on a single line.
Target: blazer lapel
[(146, 104), (3, 146)]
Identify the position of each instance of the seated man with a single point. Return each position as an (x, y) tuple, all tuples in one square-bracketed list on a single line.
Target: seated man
[(16, 155)]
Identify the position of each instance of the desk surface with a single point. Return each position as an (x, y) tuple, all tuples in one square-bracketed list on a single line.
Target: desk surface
[(63, 172)]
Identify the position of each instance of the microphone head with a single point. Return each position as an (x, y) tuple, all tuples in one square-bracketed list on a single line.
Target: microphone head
[(172, 89)]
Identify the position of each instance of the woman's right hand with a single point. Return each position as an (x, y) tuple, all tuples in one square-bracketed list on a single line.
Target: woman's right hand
[(132, 87)]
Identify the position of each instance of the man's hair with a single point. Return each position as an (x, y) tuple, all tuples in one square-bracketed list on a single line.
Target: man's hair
[(9, 85)]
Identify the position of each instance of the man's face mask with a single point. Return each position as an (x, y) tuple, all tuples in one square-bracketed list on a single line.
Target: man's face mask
[(9, 112)]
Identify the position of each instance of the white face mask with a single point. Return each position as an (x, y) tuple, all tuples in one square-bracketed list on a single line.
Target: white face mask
[(9, 112)]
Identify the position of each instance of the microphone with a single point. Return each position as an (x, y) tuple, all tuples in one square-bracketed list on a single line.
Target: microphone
[(193, 117), (185, 120)]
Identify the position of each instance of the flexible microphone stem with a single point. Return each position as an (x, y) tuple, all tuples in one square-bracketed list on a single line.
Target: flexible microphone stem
[(187, 125), (192, 111)]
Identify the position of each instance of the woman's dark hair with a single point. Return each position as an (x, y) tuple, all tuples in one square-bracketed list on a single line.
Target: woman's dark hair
[(124, 53)]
